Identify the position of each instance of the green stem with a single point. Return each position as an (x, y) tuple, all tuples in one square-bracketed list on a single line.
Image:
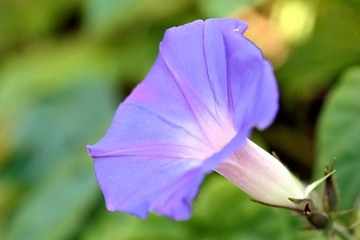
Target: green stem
[(342, 232)]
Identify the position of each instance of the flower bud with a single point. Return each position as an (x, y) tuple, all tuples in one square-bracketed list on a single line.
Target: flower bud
[(317, 219), (330, 198)]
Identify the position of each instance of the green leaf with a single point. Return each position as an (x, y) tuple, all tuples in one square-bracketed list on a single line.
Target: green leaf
[(338, 136)]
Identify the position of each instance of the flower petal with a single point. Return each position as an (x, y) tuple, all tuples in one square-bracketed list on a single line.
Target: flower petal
[(252, 93), (195, 53), (252, 85), (135, 184), (152, 146), (183, 119)]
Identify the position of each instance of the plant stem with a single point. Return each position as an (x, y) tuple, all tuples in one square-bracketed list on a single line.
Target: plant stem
[(341, 232)]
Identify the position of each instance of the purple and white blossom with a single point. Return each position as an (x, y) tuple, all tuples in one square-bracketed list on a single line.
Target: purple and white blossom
[(192, 114)]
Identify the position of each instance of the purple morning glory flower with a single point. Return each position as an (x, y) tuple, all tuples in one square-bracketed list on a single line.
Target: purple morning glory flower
[(191, 115)]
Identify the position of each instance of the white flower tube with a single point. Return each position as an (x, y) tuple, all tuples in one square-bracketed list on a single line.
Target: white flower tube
[(262, 176)]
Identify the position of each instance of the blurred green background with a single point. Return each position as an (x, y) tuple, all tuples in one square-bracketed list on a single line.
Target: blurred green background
[(66, 65)]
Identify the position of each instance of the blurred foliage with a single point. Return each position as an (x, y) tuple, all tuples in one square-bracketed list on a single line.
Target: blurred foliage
[(221, 211), (333, 46), (65, 66), (339, 135)]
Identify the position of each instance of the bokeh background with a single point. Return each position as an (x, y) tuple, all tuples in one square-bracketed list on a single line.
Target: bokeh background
[(66, 65)]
